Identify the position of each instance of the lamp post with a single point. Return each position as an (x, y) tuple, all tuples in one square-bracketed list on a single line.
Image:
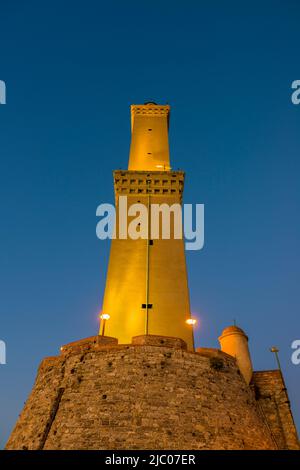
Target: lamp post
[(275, 350), (104, 317), (192, 322)]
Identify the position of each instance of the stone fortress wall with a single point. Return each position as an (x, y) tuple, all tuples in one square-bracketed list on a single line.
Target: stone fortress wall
[(150, 394)]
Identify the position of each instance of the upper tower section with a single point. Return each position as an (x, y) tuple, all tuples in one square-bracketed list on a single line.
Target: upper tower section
[(149, 149)]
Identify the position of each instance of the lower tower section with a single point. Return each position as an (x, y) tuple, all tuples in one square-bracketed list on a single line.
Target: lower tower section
[(146, 288)]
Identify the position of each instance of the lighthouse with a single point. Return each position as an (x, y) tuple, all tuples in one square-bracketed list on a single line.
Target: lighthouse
[(146, 289)]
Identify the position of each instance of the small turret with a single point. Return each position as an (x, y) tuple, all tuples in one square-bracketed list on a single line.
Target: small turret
[(234, 341)]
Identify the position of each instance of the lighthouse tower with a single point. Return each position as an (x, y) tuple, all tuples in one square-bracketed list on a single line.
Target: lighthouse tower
[(140, 384), (146, 288)]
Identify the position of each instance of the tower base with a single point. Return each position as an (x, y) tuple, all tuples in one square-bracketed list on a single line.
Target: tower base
[(150, 394)]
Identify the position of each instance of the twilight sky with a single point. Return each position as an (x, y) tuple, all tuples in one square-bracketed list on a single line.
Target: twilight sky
[(72, 69)]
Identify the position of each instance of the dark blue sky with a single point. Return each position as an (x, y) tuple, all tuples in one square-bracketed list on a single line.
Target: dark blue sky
[(72, 69)]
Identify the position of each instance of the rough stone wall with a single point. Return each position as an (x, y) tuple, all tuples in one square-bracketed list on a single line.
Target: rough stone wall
[(272, 397), (151, 394)]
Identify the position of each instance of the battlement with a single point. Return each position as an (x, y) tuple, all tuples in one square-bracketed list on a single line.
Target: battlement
[(149, 109), (154, 183)]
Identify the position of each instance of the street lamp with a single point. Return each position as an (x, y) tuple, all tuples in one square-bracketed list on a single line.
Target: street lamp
[(275, 350), (192, 322), (104, 317)]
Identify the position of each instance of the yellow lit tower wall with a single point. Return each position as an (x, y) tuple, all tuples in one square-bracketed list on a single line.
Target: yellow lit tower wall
[(146, 287)]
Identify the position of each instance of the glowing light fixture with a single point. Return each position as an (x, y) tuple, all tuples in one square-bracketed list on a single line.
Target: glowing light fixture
[(104, 317), (191, 321), (165, 167)]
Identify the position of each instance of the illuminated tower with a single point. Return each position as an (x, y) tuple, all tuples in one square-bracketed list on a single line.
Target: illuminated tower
[(146, 288), (136, 386)]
